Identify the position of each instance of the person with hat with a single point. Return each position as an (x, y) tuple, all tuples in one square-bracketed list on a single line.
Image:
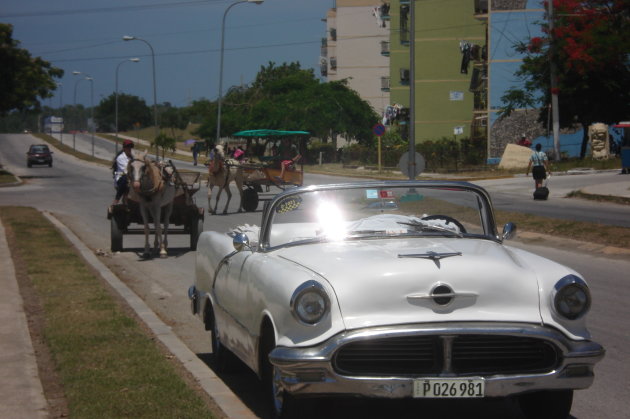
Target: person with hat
[(119, 168)]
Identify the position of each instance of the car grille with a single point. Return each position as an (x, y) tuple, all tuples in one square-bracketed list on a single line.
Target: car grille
[(478, 355)]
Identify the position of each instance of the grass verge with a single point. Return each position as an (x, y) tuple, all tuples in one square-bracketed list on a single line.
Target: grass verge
[(577, 230), (600, 198), (109, 366), (6, 178)]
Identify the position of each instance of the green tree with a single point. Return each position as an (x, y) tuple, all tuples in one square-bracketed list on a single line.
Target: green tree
[(288, 97), (23, 78), (131, 110), (589, 45), (199, 110), (173, 118), (164, 142)]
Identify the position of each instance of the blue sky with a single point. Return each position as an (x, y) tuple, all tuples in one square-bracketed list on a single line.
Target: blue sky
[(86, 36)]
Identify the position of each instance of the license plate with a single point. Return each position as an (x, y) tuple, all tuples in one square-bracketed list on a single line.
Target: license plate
[(449, 387)]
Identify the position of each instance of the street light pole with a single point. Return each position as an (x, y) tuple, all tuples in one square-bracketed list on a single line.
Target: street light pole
[(91, 80), (133, 60), (61, 111), (76, 73), (221, 63), (133, 38)]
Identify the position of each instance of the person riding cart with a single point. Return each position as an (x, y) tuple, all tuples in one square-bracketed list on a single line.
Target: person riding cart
[(119, 168)]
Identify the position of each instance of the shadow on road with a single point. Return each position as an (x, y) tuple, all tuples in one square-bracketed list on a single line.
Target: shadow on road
[(245, 384)]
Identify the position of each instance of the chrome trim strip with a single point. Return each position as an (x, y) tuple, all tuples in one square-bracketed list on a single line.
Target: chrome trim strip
[(431, 255), (447, 295)]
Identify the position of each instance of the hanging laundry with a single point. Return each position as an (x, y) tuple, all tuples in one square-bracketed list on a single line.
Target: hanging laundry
[(465, 48), (378, 14)]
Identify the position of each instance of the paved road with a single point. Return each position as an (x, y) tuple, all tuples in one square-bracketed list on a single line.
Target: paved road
[(515, 194), (78, 193)]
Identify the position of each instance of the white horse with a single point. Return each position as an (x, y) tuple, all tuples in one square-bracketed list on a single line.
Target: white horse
[(221, 172), (150, 187)]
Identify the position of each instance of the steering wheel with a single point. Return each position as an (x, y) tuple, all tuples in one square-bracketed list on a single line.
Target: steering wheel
[(447, 220)]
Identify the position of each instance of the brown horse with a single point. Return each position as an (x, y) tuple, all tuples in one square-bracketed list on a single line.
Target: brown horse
[(222, 172), (151, 188)]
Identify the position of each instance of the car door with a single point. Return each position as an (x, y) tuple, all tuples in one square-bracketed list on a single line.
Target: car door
[(230, 297)]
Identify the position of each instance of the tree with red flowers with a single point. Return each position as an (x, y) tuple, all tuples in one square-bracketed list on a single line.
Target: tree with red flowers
[(590, 46)]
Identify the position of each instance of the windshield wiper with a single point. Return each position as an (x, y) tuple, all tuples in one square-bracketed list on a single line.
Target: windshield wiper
[(366, 232), (431, 227)]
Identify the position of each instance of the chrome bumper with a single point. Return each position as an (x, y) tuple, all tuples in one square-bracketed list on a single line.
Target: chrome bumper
[(309, 371)]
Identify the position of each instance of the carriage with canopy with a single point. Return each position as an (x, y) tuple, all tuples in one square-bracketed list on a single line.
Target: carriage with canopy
[(268, 151)]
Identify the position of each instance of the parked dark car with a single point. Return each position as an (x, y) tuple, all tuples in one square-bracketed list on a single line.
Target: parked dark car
[(39, 154)]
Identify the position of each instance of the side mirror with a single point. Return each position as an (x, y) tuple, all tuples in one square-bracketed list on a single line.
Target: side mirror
[(240, 242), (509, 231)]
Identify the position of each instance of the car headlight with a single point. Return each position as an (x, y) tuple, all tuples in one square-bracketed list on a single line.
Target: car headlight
[(310, 303), (572, 298)]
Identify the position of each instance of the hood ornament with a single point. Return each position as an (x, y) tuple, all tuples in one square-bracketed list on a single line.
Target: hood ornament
[(434, 256)]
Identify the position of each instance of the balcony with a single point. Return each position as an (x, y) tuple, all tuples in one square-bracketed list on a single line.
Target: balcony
[(478, 79), (480, 101), (404, 23), (385, 84), (404, 76), (385, 48), (333, 63), (481, 7), (333, 34), (323, 67)]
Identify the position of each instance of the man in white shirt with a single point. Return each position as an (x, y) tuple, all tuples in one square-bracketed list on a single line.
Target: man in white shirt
[(120, 172)]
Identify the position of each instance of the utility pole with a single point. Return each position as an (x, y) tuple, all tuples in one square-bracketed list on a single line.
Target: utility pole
[(412, 90), (555, 112)]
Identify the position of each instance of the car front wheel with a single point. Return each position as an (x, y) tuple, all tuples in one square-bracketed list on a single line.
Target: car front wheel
[(283, 405), (554, 404)]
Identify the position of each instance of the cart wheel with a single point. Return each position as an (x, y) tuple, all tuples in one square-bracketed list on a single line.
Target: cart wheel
[(196, 227), (250, 200), (116, 234)]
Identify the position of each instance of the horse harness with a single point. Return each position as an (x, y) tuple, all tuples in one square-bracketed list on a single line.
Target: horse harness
[(153, 179)]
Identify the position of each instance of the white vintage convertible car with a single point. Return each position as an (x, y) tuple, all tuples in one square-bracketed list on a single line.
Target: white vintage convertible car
[(394, 290)]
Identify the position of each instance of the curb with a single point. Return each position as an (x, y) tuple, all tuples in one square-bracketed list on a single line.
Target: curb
[(216, 389)]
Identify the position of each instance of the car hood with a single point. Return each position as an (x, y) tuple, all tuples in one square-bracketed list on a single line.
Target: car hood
[(374, 286)]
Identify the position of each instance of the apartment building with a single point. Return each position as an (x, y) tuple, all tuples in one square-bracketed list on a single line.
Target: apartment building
[(355, 48)]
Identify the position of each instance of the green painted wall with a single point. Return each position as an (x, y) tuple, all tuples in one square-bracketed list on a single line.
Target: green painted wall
[(440, 26)]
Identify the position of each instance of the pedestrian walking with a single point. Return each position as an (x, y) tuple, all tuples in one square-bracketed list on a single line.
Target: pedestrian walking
[(539, 165)]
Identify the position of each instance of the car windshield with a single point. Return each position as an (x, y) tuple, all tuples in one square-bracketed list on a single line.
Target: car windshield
[(374, 212), (39, 149)]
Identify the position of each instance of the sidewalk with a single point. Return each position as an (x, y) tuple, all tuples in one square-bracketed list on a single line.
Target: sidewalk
[(21, 392)]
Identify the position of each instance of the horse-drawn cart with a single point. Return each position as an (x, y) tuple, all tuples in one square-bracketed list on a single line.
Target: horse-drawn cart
[(262, 172), (185, 213)]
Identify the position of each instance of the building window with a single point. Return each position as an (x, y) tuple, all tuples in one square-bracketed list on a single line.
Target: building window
[(385, 48), (385, 84), (404, 76)]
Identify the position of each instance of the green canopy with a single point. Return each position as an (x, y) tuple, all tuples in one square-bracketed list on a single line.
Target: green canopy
[(268, 133)]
